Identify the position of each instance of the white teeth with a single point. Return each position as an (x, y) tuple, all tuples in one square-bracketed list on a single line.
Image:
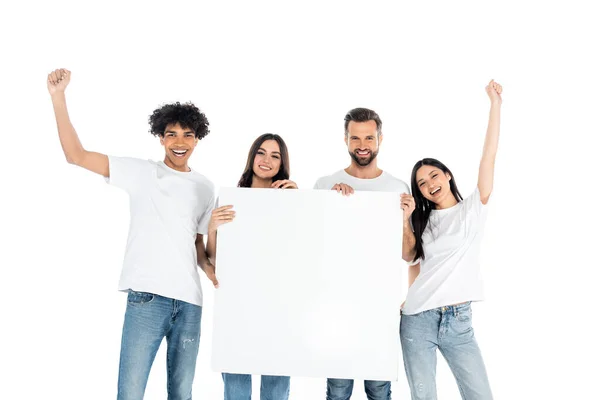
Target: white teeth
[(264, 168), (435, 191), (180, 152)]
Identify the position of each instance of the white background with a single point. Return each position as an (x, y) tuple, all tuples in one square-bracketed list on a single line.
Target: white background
[(295, 69)]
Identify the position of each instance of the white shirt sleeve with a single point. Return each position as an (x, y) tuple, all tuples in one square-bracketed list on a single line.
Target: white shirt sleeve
[(474, 204), (205, 218), (320, 184), (125, 172)]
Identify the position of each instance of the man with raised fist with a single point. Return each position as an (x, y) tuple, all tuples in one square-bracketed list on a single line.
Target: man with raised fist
[(170, 207)]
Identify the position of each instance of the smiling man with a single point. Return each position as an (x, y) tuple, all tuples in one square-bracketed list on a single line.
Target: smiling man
[(363, 136), (170, 207)]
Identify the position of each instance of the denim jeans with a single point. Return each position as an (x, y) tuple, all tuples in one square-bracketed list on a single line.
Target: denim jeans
[(449, 330), (148, 319), (341, 389), (239, 387)]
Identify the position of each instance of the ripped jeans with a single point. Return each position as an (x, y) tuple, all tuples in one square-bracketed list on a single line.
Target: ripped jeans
[(148, 319), (447, 329)]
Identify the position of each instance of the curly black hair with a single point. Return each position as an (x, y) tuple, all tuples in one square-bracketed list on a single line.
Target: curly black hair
[(187, 115)]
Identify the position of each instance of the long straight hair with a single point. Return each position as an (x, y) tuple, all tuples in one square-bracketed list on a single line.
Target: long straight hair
[(284, 170), (423, 207)]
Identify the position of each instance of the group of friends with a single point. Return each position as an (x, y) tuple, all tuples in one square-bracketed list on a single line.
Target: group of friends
[(173, 231)]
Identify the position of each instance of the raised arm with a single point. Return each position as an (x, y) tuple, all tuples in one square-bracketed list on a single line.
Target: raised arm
[(58, 80), (490, 147)]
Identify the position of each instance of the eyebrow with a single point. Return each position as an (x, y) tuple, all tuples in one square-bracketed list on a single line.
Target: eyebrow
[(274, 152), (185, 132), (427, 174)]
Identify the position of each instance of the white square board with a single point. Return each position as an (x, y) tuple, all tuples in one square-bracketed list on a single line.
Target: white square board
[(310, 284)]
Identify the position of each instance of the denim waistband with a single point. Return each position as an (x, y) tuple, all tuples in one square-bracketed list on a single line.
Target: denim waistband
[(453, 309)]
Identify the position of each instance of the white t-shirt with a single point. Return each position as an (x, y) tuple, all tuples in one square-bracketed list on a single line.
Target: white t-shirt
[(450, 272), (168, 208), (383, 183)]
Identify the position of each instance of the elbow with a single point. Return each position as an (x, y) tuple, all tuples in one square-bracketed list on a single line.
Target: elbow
[(75, 158), (408, 256), (70, 159)]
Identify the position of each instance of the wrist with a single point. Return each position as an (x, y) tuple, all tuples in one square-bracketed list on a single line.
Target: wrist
[(59, 95)]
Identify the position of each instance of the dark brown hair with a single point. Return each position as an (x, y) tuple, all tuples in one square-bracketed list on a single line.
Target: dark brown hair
[(284, 169)]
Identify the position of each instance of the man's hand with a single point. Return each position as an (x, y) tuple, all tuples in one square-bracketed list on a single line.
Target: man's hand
[(58, 80), (342, 188)]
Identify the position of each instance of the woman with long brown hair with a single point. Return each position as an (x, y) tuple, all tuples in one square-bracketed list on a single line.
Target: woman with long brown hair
[(268, 166)]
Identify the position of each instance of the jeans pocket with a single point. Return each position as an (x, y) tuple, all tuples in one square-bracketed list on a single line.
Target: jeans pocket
[(139, 298), (464, 315)]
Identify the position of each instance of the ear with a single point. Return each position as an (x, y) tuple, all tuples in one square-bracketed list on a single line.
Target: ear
[(448, 176), (346, 139), (379, 138), (162, 140)]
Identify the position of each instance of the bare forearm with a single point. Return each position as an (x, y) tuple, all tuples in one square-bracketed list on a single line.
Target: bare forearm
[(72, 147), (69, 140), (490, 148), (408, 242), (203, 260), (211, 246)]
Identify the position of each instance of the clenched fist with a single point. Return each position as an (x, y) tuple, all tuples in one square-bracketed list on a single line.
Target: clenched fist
[(494, 90), (58, 80)]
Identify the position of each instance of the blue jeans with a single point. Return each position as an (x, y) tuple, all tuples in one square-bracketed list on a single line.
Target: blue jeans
[(239, 387), (148, 319), (449, 330), (341, 389)]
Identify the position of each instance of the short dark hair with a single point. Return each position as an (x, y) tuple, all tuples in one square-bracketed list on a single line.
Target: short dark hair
[(362, 115), (187, 115)]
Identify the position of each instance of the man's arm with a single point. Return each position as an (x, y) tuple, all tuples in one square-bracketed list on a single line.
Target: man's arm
[(58, 81), (203, 262)]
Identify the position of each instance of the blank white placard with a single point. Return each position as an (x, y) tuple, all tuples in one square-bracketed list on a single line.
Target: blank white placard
[(310, 284)]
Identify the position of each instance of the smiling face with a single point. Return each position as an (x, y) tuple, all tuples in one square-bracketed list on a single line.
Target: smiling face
[(267, 160), (434, 184), (179, 145), (363, 141)]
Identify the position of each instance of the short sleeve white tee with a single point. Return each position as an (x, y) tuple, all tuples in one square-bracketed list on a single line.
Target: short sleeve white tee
[(168, 209), (450, 272), (383, 183)]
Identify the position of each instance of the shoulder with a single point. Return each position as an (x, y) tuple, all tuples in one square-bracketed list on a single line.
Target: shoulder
[(325, 182), (129, 165), (203, 181), (395, 183), (131, 161)]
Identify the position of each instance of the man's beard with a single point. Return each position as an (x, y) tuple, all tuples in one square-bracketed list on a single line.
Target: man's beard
[(363, 162)]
